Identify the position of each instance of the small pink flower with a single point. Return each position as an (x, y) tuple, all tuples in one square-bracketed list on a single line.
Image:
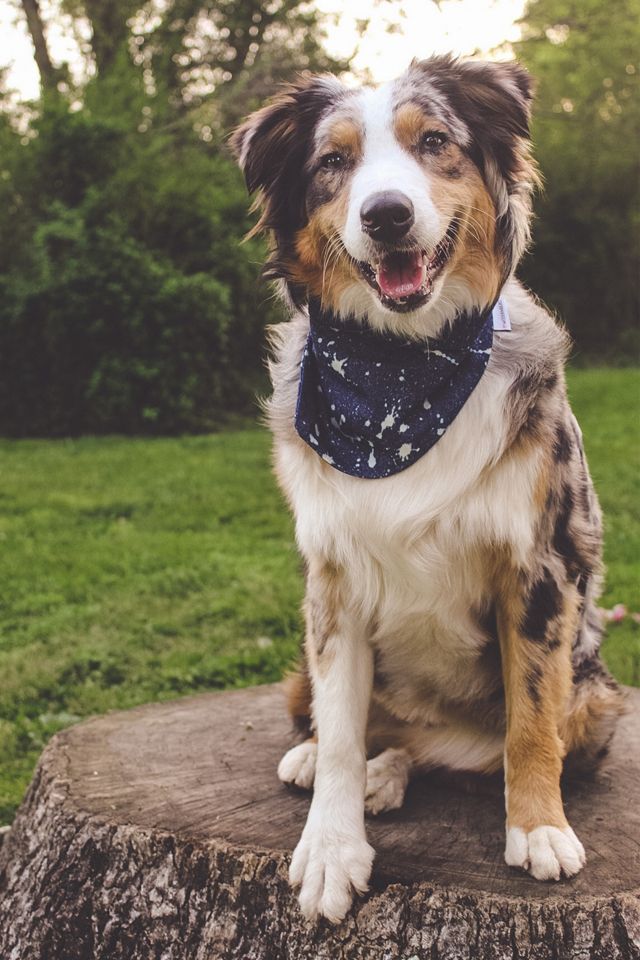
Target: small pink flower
[(615, 615)]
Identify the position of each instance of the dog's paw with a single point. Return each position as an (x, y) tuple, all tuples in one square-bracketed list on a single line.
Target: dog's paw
[(299, 765), (387, 779), (545, 852), (328, 867)]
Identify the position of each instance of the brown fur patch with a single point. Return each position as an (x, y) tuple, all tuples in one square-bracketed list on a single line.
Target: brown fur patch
[(299, 694), (343, 136), (475, 262), (410, 123), (322, 606), (544, 481), (537, 680), (323, 265)]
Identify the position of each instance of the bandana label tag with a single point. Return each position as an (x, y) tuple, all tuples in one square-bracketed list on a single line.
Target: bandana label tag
[(501, 318)]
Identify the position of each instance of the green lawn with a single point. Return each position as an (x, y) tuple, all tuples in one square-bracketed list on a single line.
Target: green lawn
[(137, 570)]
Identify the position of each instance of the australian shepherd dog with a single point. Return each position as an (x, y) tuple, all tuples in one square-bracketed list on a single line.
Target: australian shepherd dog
[(424, 441)]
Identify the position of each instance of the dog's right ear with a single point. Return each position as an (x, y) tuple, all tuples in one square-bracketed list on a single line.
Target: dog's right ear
[(260, 143), (273, 144)]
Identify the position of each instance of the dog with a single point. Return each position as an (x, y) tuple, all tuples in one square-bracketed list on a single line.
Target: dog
[(424, 441)]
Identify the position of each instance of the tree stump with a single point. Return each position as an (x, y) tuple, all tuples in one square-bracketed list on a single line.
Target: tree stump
[(162, 833)]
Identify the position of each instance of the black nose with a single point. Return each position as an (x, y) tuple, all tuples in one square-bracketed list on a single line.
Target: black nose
[(387, 216)]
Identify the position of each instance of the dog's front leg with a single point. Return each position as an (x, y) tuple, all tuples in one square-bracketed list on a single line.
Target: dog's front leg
[(333, 857), (537, 623)]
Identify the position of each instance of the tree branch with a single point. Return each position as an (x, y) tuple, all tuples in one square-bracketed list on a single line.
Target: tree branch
[(41, 51)]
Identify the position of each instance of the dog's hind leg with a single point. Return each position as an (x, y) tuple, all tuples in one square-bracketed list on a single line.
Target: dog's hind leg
[(298, 765), (387, 774), (387, 779), (595, 704)]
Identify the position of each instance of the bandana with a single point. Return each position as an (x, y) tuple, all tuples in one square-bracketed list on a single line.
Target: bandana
[(371, 404)]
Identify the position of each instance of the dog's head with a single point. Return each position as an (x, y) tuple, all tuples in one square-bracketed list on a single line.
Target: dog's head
[(395, 198)]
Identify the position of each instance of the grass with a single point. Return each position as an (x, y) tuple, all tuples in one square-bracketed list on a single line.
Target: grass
[(137, 570), (607, 404)]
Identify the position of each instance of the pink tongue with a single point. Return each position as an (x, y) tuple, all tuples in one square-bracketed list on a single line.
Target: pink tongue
[(400, 274)]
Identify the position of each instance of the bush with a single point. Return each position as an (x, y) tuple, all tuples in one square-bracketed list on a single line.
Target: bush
[(127, 303)]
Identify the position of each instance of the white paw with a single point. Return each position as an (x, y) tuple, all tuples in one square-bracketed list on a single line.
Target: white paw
[(299, 765), (545, 852), (387, 778), (328, 867)]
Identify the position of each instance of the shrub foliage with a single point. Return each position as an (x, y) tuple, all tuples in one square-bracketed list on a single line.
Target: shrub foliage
[(127, 302)]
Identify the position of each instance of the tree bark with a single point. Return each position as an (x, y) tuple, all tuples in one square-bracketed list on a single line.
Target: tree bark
[(40, 48), (162, 832)]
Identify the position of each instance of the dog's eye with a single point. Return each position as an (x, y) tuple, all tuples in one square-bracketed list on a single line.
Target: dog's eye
[(433, 140), (332, 161)]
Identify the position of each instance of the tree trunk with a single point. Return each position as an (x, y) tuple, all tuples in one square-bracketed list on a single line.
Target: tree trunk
[(109, 30), (162, 833), (40, 49)]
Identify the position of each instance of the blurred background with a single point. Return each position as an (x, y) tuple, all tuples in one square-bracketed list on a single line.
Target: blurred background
[(145, 550)]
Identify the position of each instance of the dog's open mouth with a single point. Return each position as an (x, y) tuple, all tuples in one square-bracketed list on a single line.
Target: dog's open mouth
[(404, 279)]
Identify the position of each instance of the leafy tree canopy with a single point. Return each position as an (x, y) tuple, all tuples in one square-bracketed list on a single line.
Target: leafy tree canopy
[(583, 54)]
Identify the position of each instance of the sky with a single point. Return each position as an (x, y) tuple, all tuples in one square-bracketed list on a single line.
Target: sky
[(419, 29), (397, 32), (16, 50)]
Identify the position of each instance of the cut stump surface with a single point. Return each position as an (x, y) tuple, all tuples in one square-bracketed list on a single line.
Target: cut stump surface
[(163, 832)]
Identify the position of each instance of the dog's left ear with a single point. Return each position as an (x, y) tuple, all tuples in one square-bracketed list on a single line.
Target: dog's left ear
[(494, 100)]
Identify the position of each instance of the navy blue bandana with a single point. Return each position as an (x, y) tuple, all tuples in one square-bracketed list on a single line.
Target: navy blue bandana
[(371, 404)]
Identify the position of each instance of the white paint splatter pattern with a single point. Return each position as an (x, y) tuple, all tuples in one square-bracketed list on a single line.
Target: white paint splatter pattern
[(382, 402), (387, 423), (445, 356), (338, 365)]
